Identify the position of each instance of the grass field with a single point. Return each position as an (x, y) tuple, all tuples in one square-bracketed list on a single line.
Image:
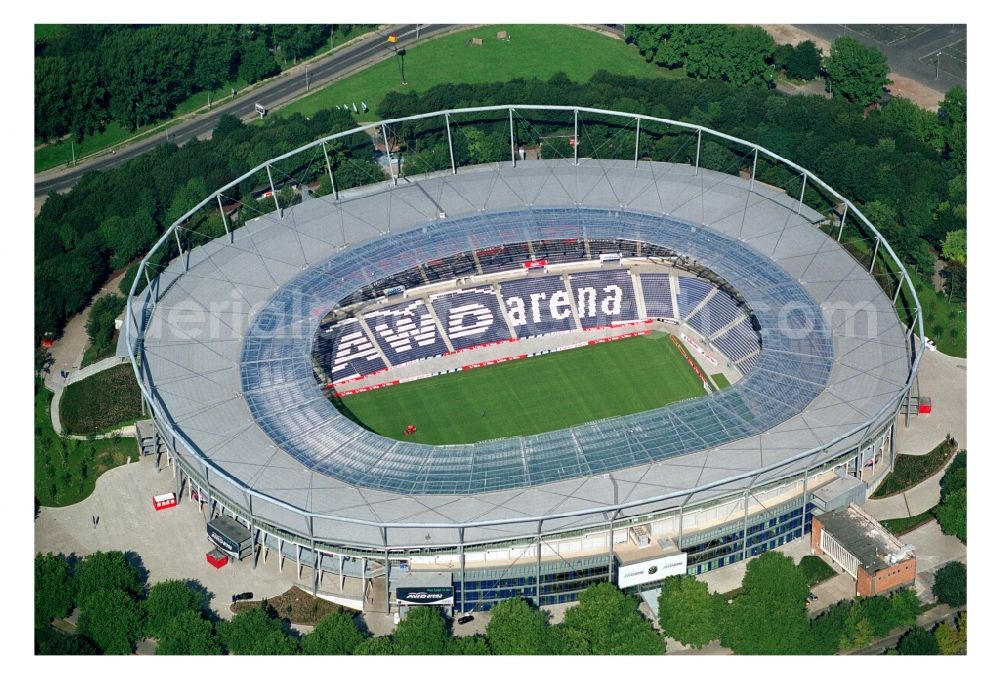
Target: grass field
[(533, 51), (101, 403), (533, 395)]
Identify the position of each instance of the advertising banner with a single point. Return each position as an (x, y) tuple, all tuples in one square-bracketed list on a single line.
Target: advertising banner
[(652, 570), (425, 596)]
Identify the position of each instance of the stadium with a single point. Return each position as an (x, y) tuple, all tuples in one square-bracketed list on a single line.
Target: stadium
[(519, 378)]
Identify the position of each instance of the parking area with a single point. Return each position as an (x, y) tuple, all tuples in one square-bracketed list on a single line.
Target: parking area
[(912, 49)]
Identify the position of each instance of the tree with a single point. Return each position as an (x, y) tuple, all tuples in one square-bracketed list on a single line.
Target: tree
[(902, 116), (951, 639), (167, 600), (51, 641), (127, 238), (857, 72), (105, 570), (804, 61), (952, 113), (905, 607), (825, 631), (568, 641), (470, 645), (610, 622), (688, 612), (256, 62), (336, 634), (376, 645), (775, 574), (53, 588), (918, 641), (955, 476), (101, 320), (747, 50), (112, 619), (254, 632), (954, 246), (769, 617), (188, 634), (422, 632), (951, 514), (858, 631), (515, 628), (950, 585)]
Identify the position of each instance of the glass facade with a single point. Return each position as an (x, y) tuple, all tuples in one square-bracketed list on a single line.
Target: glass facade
[(707, 550)]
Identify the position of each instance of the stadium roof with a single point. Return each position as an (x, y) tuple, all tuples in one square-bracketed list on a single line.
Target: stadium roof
[(212, 336)]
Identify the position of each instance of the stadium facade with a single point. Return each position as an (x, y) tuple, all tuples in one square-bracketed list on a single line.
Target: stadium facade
[(237, 340)]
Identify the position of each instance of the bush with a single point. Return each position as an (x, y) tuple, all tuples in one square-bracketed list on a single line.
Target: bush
[(950, 584)]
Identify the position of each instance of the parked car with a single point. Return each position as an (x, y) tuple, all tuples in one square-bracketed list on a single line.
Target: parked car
[(465, 618), (245, 596)]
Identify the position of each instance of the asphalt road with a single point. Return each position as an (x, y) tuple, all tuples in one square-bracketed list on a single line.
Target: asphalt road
[(282, 89), (905, 56)]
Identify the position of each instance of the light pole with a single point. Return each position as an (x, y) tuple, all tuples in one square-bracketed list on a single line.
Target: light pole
[(937, 66), (392, 39)]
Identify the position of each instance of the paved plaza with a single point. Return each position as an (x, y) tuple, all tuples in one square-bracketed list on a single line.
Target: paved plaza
[(170, 544)]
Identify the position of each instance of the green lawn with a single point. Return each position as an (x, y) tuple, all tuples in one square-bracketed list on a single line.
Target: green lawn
[(533, 51), (101, 403), (530, 396), (815, 569), (907, 523), (944, 322), (721, 381), (910, 470), (65, 469)]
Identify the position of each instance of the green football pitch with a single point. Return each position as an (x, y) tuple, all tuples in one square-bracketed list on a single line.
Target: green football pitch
[(529, 396)]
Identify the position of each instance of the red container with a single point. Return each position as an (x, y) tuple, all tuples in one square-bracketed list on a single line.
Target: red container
[(165, 501), (217, 558), (924, 405)]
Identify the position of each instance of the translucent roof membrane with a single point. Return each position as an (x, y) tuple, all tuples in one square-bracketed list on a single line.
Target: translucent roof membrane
[(792, 369)]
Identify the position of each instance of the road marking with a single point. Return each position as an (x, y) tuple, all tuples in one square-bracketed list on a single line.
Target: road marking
[(942, 49)]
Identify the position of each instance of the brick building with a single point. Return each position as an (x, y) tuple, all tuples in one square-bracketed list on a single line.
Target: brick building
[(859, 544)]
